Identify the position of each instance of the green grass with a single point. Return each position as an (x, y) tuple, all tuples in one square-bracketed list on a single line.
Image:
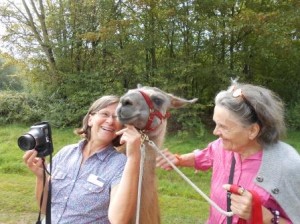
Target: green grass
[(17, 183), (179, 202)]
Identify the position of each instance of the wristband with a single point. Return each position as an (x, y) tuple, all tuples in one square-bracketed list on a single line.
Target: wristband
[(178, 156)]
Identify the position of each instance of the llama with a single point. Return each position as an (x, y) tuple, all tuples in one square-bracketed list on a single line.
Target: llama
[(146, 108)]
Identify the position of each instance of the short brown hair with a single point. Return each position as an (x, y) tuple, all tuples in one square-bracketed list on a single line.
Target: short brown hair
[(102, 102)]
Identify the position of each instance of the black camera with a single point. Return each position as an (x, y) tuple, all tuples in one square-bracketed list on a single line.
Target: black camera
[(39, 138)]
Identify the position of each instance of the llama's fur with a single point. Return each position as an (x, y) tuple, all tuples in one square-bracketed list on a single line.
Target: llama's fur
[(134, 110)]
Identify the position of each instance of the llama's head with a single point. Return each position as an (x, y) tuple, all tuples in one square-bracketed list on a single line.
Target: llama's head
[(146, 108)]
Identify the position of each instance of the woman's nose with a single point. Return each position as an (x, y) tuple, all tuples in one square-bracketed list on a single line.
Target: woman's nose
[(111, 119), (216, 131)]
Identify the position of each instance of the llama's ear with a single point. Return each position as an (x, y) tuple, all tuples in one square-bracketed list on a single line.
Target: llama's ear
[(177, 102), (139, 86)]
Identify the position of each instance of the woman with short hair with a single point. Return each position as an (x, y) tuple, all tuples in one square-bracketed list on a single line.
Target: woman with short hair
[(248, 158)]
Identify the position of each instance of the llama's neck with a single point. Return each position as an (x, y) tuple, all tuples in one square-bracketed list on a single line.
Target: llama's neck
[(158, 136), (149, 202), (149, 196)]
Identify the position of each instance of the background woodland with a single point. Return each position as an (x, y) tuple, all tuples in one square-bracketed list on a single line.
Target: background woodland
[(57, 56)]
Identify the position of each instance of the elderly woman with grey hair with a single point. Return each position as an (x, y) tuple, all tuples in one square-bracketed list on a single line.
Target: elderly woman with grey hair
[(248, 159)]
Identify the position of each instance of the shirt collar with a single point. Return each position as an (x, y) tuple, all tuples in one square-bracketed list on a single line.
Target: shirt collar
[(101, 155)]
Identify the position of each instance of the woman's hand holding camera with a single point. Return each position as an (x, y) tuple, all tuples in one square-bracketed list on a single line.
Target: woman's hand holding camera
[(34, 163)]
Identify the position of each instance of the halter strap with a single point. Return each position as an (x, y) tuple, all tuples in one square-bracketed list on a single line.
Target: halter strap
[(152, 113)]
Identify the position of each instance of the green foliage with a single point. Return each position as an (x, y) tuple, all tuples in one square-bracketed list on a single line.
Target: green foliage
[(70, 101), (293, 116), (7, 82), (190, 49), (18, 107), (186, 120)]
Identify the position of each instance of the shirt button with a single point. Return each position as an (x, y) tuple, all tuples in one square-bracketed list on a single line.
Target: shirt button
[(275, 190), (66, 198), (259, 178)]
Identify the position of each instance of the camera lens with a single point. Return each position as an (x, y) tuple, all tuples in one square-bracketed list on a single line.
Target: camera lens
[(26, 142)]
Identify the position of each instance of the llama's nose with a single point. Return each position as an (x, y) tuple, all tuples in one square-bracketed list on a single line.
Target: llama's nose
[(126, 101)]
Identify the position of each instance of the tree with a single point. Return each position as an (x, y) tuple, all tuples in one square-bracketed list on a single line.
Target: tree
[(9, 70), (191, 48)]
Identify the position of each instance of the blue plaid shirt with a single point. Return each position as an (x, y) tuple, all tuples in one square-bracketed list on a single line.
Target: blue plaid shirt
[(81, 193)]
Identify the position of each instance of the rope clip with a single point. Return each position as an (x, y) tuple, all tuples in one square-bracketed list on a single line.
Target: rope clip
[(144, 137)]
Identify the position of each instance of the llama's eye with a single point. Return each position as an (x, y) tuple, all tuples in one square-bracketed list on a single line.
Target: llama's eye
[(157, 101)]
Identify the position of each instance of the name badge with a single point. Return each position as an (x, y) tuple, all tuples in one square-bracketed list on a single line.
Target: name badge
[(94, 180)]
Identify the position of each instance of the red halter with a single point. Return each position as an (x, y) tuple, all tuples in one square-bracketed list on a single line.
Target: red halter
[(153, 113)]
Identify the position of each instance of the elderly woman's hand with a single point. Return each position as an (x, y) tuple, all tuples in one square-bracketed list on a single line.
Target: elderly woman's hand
[(241, 202), (162, 163)]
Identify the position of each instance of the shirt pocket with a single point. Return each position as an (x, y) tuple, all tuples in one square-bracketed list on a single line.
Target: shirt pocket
[(60, 184), (94, 186), (59, 175)]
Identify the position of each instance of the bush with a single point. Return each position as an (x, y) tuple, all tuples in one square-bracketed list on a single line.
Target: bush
[(293, 116), (67, 111), (185, 121), (25, 108), (18, 107)]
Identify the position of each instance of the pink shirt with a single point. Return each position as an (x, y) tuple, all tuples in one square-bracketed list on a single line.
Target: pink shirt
[(219, 159)]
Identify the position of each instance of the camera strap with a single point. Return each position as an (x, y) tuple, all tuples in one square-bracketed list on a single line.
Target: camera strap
[(42, 196), (48, 208)]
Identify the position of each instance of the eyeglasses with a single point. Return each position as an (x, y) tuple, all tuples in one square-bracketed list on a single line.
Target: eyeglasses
[(106, 115), (239, 93)]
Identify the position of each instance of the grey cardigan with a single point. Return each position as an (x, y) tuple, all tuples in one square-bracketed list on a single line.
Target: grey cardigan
[(279, 174)]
